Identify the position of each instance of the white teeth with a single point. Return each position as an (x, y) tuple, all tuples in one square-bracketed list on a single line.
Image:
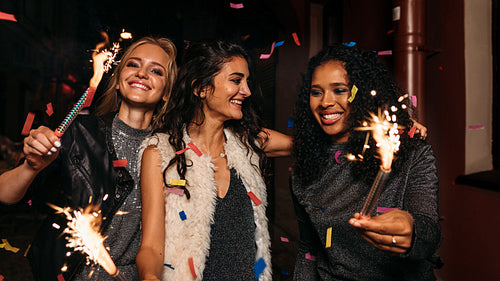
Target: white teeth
[(239, 102), (331, 116), (138, 85)]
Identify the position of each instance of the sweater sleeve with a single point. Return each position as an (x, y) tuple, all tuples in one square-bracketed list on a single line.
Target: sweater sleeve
[(421, 201), (305, 268)]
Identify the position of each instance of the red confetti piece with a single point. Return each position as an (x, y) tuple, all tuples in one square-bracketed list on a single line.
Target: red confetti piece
[(476, 127), (90, 97), (254, 198), (236, 6), (181, 151), (120, 163), (310, 257), (411, 133), (266, 56), (195, 149), (49, 110), (28, 123), (390, 31), (60, 277), (441, 68), (384, 53), (9, 17), (296, 38), (191, 267)]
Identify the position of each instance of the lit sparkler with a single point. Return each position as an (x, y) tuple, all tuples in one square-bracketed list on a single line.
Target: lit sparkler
[(83, 235), (385, 131)]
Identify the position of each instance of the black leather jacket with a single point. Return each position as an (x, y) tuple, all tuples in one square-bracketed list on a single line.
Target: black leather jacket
[(86, 170)]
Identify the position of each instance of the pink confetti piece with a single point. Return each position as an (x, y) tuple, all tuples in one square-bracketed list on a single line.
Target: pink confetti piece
[(266, 56), (120, 163), (414, 101), (191, 267), (254, 198), (384, 53), (384, 209), (310, 257), (177, 191), (181, 151), (30, 202), (236, 6), (476, 127), (90, 97), (195, 149), (49, 110), (337, 154), (296, 39), (284, 239), (28, 123), (187, 44), (6, 16)]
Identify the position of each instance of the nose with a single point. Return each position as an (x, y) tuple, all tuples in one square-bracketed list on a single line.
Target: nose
[(142, 72), (245, 90), (328, 99)]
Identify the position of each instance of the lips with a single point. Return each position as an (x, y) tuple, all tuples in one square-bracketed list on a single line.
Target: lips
[(139, 85), (329, 118), (236, 102)]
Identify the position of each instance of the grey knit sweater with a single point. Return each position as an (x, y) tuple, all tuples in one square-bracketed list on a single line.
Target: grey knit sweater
[(333, 199)]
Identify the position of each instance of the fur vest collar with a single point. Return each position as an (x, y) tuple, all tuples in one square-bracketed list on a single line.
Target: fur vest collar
[(190, 238)]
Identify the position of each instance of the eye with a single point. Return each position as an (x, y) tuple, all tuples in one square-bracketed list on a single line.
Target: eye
[(157, 71), (236, 81), (132, 64), (340, 91), (316, 93)]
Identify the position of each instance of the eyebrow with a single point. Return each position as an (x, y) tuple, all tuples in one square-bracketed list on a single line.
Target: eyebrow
[(153, 62), (335, 84), (238, 74)]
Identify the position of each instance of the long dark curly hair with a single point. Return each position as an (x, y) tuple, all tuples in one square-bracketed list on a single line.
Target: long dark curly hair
[(367, 73), (201, 63)]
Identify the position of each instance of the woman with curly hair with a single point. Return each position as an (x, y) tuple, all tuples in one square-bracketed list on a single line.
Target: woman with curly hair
[(209, 223), (340, 89)]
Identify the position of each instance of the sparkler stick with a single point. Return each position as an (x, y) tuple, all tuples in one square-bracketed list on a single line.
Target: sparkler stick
[(385, 133), (83, 235)]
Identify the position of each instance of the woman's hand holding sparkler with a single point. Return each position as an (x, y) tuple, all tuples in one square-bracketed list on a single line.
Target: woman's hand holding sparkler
[(391, 232), (41, 147)]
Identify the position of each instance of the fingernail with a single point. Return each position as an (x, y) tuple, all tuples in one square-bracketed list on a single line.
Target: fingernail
[(49, 153), (53, 149), (57, 144)]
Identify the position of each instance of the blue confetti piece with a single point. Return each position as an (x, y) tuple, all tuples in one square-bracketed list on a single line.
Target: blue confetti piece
[(319, 207), (350, 44), (284, 272), (259, 267), (290, 122), (182, 215), (277, 44), (169, 266)]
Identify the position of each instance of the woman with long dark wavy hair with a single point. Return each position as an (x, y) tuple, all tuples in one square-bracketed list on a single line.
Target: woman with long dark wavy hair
[(340, 89), (208, 151)]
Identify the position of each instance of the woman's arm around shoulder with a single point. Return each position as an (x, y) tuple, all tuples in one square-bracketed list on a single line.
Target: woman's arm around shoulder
[(150, 257), (276, 144)]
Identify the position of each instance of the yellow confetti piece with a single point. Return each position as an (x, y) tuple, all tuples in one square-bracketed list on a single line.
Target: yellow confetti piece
[(26, 252), (354, 90), (177, 182), (6, 245), (328, 237)]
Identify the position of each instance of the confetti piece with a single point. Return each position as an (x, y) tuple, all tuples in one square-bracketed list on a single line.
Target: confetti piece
[(236, 6), (319, 207), (254, 198), (384, 53), (195, 149), (337, 154), (279, 43), (9, 17), (476, 127), (310, 257), (350, 44), (384, 209), (187, 44), (411, 132), (296, 38), (177, 191), (30, 202), (328, 237), (354, 90), (1, 277), (266, 56), (390, 31), (169, 266), (26, 252), (182, 215), (60, 277), (49, 109), (191, 267), (120, 163), (6, 246), (284, 239), (177, 182), (90, 97), (284, 272), (290, 122), (259, 267), (181, 151), (56, 226), (441, 68), (28, 123), (414, 101)]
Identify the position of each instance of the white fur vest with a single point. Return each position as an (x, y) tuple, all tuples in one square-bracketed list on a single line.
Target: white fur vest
[(190, 238)]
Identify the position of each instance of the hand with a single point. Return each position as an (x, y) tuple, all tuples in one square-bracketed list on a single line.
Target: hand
[(420, 129), (390, 232), (41, 147)]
